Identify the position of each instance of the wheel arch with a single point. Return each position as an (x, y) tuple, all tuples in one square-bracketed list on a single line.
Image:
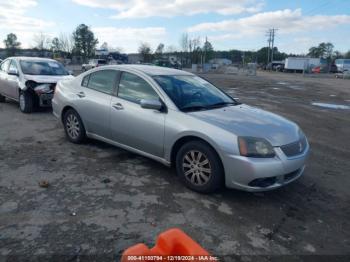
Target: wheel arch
[(188, 138), (65, 109)]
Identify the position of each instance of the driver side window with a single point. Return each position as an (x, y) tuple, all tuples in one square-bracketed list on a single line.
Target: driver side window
[(133, 88)]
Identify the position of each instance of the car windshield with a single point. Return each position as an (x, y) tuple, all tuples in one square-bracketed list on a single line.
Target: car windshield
[(192, 93), (51, 68)]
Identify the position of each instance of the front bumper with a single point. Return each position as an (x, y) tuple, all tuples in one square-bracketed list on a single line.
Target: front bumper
[(45, 100), (263, 174)]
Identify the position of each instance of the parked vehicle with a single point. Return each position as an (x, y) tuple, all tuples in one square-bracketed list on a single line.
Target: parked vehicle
[(94, 63), (299, 64), (316, 70), (342, 65), (30, 80), (180, 119)]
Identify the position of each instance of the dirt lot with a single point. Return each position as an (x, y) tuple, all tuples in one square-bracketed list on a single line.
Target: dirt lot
[(102, 199)]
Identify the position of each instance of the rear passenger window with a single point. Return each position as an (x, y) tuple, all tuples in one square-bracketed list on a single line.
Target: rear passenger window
[(102, 81), (134, 88)]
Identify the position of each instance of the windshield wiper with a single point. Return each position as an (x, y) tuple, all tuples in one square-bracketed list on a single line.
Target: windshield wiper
[(221, 104), (193, 108)]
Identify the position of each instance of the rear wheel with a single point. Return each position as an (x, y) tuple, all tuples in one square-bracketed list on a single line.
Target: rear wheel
[(74, 127), (2, 99), (26, 102), (199, 167)]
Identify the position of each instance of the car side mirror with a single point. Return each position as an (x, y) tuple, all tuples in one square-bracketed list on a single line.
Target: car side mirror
[(13, 72), (151, 104)]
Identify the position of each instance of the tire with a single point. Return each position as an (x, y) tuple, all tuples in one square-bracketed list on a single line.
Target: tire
[(2, 99), (202, 164), (74, 127), (26, 102)]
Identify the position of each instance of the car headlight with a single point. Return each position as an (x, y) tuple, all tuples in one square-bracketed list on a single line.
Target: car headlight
[(255, 147), (42, 88)]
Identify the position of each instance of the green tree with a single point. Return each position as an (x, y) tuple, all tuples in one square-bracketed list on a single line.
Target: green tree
[(208, 51), (261, 55), (323, 50), (146, 52), (337, 55), (159, 51), (84, 42), (11, 44), (347, 55), (56, 45)]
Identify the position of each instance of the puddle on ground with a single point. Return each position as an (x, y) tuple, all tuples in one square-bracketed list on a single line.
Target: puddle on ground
[(295, 87), (331, 106), (289, 85), (276, 88)]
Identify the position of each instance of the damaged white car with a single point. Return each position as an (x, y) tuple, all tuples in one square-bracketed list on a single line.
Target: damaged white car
[(30, 80)]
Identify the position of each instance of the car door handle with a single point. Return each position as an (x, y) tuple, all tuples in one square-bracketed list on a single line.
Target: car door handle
[(118, 106), (81, 94)]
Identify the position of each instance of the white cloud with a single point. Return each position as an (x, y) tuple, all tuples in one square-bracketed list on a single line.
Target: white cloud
[(130, 38), (287, 21), (171, 8), (14, 18)]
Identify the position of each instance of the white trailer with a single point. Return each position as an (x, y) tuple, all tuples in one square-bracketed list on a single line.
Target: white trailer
[(301, 63)]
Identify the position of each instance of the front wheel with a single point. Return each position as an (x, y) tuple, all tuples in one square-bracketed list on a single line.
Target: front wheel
[(26, 102), (74, 127), (199, 167)]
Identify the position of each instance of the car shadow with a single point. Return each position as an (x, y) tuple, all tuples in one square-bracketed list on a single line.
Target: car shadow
[(35, 110)]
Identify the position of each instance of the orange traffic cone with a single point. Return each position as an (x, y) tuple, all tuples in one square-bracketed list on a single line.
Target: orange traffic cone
[(170, 245)]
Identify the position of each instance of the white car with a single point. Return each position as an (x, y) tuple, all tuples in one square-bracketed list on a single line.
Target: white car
[(93, 63), (30, 80)]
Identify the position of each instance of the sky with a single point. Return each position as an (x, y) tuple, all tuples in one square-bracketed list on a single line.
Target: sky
[(228, 24)]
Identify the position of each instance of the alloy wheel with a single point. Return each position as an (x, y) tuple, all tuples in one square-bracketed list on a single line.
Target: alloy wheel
[(22, 102), (73, 127), (196, 168)]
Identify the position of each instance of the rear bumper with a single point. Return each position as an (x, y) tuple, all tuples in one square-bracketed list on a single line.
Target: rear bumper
[(259, 174)]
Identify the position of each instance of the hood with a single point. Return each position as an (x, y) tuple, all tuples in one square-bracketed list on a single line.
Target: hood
[(47, 79), (244, 120)]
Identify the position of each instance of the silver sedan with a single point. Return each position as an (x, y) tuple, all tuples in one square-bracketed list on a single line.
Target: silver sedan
[(30, 80), (180, 119)]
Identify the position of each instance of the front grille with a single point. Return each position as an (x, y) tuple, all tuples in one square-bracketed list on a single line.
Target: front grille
[(53, 87), (263, 182), (295, 148)]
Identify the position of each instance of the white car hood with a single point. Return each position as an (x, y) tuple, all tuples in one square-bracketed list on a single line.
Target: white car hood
[(47, 79)]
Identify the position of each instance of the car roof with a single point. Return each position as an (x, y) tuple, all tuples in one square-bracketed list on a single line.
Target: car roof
[(27, 58), (150, 69)]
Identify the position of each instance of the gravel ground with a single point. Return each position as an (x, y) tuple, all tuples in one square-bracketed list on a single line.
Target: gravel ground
[(102, 199)]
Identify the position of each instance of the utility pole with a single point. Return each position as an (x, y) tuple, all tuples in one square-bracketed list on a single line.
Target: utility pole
[(273, 33), (268, 34)]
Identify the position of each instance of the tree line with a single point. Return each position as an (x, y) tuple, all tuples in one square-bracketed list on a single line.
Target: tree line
[(82, 43)]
